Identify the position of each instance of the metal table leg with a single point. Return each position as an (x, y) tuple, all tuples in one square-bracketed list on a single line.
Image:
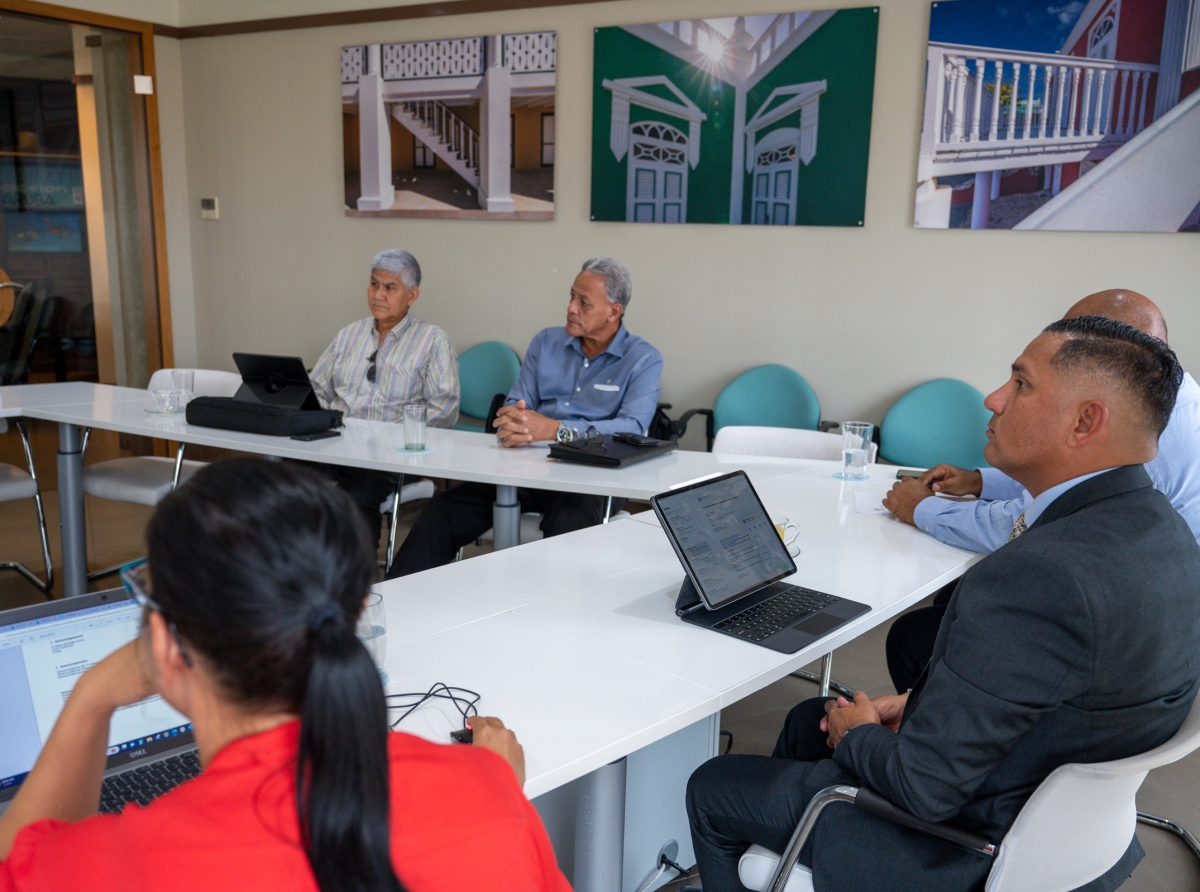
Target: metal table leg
[(600, 829), (506, 518), (70, 509)]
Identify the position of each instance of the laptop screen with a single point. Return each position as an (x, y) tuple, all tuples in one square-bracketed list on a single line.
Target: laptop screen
[(43, 654), (724, 538)]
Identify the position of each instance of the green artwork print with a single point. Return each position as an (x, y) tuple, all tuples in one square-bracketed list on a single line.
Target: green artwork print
[(760, 120)]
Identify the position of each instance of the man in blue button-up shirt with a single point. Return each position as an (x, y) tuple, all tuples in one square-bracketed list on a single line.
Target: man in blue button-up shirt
[(591, 375)]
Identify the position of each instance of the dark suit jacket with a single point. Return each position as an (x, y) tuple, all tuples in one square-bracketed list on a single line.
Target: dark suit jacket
[(1077, 642)]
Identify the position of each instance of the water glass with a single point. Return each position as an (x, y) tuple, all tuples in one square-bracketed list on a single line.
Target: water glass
[(372, 630), (167, 402), (185, 380), (856, 444), (414, 426)]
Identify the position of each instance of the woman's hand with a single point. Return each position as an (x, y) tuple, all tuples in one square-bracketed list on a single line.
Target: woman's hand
[(490, 733), (120, 679)]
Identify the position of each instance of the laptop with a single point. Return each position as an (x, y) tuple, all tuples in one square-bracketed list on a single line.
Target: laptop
[(274, 381), (609, 452), (43, 651), (734, 562)]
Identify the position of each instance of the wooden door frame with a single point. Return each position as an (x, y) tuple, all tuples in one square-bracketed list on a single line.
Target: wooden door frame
[(153, 143)]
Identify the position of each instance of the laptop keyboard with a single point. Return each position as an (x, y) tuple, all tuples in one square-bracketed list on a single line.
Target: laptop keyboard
[(141, 785), (775, 614)]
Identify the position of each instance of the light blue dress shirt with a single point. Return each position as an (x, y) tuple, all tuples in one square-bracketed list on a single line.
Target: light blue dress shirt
[(983, 525), (615, 392)]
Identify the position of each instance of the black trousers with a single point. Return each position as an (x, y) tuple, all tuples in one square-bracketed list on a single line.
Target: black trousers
[(911, 638), (463, 513), (367, 488), (734, 801)]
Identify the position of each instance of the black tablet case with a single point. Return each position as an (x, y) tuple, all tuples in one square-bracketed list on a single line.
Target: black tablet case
[(609, 453)]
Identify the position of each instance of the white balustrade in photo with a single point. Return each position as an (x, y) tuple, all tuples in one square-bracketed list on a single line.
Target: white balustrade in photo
[(989, 109)]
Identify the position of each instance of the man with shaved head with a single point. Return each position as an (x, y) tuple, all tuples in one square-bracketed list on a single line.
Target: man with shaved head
[(986, 524), (1058, 648)]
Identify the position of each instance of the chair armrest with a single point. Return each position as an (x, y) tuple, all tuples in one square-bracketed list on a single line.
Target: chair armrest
[(679, 426), (874, 804)]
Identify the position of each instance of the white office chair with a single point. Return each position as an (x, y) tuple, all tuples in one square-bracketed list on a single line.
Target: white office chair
[(146, 479), (789, 442), (390, 507), (782, 442), (17, 484), (1076, 825)]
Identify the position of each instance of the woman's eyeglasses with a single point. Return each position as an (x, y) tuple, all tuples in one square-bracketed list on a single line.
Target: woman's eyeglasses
[(371, 367), (136, 579)]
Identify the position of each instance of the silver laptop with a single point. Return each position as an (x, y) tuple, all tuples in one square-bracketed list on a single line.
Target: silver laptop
[(43, 651)]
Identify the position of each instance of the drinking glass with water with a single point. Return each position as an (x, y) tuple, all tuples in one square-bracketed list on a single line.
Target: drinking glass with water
[(414, 426), (856, 444), (372, 631)]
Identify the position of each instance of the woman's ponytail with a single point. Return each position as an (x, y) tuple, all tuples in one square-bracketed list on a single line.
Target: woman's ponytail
[(342, 776)]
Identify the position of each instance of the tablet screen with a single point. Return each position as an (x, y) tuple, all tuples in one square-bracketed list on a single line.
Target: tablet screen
[(724, 538)]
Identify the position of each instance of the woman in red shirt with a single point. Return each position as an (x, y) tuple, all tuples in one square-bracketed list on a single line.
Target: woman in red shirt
[(256, 576)]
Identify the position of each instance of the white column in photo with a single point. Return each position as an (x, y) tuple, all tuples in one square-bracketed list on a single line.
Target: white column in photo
[(374, 140), (495, 130)]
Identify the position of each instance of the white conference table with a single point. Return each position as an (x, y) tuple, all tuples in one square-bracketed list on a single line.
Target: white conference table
[(574, 642), (456, 455)]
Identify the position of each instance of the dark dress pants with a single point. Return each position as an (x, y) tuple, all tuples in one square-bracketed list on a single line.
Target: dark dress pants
[(911, 638), (367, 488), (463, 513), (736, 800)]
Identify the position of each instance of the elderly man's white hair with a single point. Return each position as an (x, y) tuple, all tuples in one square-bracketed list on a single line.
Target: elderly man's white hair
[(401, 263), (618, 284)]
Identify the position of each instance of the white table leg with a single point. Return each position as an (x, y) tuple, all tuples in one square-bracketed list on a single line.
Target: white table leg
[(600, 829), (506, 518), (70, 509)]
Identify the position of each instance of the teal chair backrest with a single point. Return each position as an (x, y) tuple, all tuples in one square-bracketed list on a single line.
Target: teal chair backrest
[(767, 396), (484, 371), (938, 421)]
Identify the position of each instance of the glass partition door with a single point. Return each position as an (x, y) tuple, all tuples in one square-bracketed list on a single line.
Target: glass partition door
[(78, 229)]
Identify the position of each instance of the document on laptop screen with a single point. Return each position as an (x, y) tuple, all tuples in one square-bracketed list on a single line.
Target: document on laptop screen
[(40, 662), (727, 538)]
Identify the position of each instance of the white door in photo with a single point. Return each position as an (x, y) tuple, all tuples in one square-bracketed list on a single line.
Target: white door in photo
[(658, 169), (776, 167)]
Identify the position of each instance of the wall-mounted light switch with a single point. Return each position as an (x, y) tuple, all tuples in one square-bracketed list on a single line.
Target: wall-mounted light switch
[(208, 209), (143, 84)]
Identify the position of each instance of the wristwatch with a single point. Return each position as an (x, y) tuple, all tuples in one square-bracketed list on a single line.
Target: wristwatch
[(565, 434)]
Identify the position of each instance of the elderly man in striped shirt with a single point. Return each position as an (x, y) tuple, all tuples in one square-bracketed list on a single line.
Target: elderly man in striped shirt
[(377, 364)]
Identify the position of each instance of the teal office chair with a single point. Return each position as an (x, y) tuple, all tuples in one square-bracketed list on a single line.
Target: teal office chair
[(484, 371), (765, 396), (938, 421)]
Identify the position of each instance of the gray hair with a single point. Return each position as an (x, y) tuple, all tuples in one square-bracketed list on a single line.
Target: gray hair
[(401, 263), (618, 284)]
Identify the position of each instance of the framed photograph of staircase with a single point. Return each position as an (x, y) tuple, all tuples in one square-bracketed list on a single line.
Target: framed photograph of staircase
[(452, 129), (1079, 116), (758, 120)]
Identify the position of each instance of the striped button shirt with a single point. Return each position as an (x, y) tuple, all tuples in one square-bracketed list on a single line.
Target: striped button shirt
[(415, 362)]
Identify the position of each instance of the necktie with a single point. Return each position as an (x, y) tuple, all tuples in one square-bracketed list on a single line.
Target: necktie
[(1018, 527)]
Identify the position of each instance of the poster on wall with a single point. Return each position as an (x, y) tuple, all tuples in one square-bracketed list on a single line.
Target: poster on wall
[(762, 119), (1061, 116), (459, 129)]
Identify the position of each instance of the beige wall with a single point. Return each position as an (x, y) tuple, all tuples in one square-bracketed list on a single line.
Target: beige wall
[(864, 314)]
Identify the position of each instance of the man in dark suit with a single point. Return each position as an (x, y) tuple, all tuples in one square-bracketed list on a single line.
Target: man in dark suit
[(1059, 647)]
